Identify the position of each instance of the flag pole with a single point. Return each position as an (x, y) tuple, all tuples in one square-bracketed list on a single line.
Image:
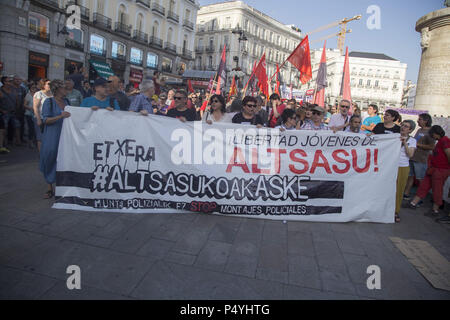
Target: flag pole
[(246, 85)]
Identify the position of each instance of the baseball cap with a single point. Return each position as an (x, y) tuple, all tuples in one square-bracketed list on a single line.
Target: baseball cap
[(317, 108), (100, 82)]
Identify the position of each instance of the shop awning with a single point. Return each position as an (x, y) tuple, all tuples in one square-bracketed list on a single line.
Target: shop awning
[(103, 69)]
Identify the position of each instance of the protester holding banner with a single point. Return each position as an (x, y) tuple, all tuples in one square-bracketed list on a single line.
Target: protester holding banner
[(248, 114), (52, 117), (143, 102), (406, 153), (316, 122), (100, 99), (114, 92), (217, 112), (340, 121), (181, 110), (372, 120), (425, 144), (355, 124), (288, 120), (388, 126), (438, 170), (276, 111)]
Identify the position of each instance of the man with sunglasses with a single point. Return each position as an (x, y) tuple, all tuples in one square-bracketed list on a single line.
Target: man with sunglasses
[(316, 122), (181, 110), (341, 120), (248, 114)]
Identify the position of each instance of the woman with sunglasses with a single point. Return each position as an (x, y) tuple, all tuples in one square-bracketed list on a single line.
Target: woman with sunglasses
[(216, 113), (248, 114)]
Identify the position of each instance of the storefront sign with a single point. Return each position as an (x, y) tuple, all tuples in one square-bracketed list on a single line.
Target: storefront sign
[(38, 59), (136, 56), (136, 75), (97, 44)]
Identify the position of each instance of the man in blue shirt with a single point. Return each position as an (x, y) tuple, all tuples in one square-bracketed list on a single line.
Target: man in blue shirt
[(372, 120), (100, 99)]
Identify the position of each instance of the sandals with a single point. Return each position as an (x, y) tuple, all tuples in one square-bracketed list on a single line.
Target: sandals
[(49, 194), (397, 218)]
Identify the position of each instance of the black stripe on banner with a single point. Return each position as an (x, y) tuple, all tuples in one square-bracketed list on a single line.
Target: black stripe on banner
[(314, 189), (201, 206)]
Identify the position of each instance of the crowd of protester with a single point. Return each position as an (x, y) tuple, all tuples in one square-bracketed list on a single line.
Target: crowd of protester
[(34, 112)]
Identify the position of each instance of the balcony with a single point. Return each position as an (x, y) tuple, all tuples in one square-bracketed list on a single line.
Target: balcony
[(159, 9), (210, 48), (120, 57), (155, 42), (140, 36), (187, 53), (40, 34), (123, 28), (85, 12), (102, 21), (173, 16), (49, 3), (145, 3), (72, 44), (211, 67), (199, 49), (188, 24), (171, 47)]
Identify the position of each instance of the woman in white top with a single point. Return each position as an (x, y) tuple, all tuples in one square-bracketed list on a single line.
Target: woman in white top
[(407, 151), (217, 112), (38, 101)]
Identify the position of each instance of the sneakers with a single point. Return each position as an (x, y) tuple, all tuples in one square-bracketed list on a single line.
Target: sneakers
[(445, 219), (406, 197), (4, 150)]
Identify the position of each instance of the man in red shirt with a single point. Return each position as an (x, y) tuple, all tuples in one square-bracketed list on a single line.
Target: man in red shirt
[(438, 170), (277, 110)]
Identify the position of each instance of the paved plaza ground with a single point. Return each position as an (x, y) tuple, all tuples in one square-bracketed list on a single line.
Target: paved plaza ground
[(196, 256)]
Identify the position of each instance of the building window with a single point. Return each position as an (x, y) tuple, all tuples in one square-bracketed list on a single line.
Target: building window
[(360, 82), (395, 86), (155, 29), (97, 44), (152, 60), (368, 82), (376, 83), (75, 35), (136, 56), (119, 50), (210, 60), (38, 24), (166, 65)]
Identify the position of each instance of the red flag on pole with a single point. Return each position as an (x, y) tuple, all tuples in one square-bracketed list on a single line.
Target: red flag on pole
[(190, 88), (301, 59), (221, 71), (218, 86), (233, 89), (277, 85), (321, 81), (345, 85), (261, 74), (211, 84)]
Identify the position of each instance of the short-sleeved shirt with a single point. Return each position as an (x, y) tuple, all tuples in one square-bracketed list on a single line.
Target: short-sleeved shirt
[(8, 101), (239, 118), (439, 158), (93, 101), (226, 117), (381, 129), (29, 103), (189, 114), (338, 120), (370, 120), (75, 98), (422, 137), (404, 159), (42, 97)]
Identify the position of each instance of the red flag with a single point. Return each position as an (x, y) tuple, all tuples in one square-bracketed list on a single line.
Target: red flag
[(218, 86), (345, 85), (261, 74), (277, 85), (191, 89), (221, 71), (211, 84), (233, 89), (301, 59), (321, 81)]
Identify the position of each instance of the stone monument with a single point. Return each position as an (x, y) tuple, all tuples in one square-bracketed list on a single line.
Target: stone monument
[(433, 84)]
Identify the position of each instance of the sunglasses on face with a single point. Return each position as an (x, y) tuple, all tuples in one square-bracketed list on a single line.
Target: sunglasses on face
[(347, 107), (251, 105)]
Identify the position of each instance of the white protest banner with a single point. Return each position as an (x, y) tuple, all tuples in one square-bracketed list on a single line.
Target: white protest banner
[(126, 162)]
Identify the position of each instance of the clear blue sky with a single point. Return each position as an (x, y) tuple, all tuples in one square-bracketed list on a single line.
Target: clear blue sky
[(396, 38)]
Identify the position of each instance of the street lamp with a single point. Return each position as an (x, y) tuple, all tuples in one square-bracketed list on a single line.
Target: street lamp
[(238, 69)]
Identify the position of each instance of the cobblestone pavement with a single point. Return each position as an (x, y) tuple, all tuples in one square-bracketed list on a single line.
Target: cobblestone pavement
[(196, 256)]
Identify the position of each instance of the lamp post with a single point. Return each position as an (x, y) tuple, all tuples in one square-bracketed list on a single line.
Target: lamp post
[(238, 69)]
